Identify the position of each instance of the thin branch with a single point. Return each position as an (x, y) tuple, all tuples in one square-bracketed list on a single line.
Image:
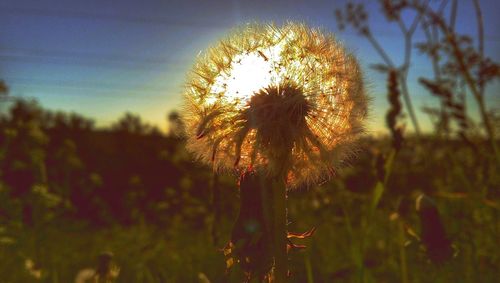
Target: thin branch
[(380, 50), (480, 34), (408, 37), (432, 39), (434, 58), (402, 26), (417, 19), (443, 5), (407, 58), (453, 15), (464, 70), (389, 62), (406, 96)]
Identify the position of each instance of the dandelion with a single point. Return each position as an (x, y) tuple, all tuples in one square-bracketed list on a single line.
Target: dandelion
[(288, 101)]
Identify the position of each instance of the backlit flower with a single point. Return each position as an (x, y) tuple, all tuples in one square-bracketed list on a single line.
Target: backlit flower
[(288, 101)]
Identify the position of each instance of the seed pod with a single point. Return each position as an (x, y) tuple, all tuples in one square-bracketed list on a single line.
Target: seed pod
[(432, 231), (395, 109)]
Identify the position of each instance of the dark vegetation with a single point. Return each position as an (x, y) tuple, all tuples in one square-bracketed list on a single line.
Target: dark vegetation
[(70, 191)]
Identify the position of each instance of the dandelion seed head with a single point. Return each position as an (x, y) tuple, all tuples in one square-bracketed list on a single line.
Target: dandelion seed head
[(286, 100)]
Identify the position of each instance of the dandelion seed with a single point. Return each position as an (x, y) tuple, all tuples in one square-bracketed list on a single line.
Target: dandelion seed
[(289, 102)]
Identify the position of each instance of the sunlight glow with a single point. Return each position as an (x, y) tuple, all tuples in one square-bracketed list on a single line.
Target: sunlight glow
[(249, 73)]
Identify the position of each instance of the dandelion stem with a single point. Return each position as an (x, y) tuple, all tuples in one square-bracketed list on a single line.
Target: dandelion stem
[(279, 232)]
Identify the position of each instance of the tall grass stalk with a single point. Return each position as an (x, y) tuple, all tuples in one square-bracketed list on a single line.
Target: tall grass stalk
[(356, 248), (402, 252), (307, 263)]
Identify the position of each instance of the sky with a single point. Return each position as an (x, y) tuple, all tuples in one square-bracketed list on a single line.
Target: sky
[(104, 58)]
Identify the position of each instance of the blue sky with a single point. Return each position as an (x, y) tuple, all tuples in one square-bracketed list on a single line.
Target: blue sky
[(102, 58)]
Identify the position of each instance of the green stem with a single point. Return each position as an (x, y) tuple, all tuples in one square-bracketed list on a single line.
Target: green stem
[(402, 253), (279, 232), (309, 272)]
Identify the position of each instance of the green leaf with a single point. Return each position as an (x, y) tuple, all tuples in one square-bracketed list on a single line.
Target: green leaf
[(377, 194)]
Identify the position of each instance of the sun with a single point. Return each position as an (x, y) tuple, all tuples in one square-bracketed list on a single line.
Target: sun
[(249, 73)]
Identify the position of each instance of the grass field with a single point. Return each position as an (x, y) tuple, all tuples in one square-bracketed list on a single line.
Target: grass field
[(70, 192)]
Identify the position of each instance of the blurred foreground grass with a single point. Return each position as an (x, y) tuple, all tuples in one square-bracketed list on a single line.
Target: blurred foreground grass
[(69, 192)]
